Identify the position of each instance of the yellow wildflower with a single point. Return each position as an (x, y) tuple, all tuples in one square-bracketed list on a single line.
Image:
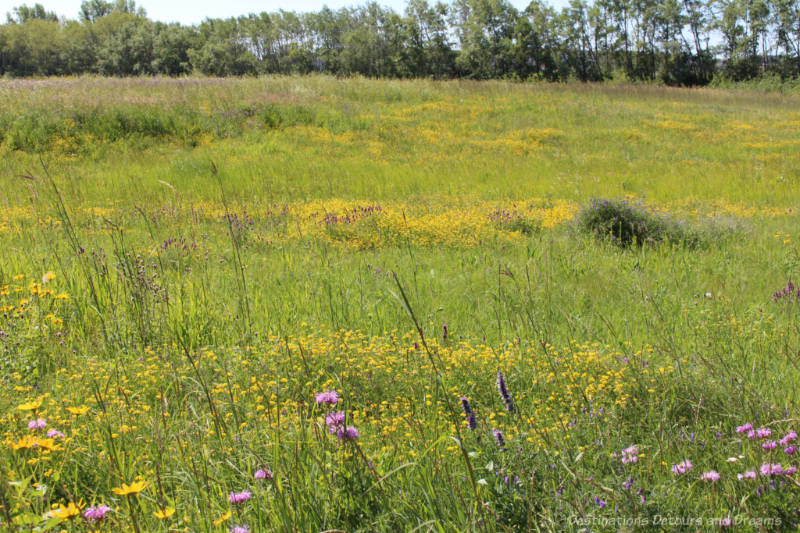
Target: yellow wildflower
[(134, 488), (222, 518), (30, 406), (67, 512)]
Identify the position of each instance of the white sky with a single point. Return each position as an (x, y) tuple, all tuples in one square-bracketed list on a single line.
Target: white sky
[(194, 11)]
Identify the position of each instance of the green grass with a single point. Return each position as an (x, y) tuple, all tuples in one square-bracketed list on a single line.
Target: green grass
[(229, 248)]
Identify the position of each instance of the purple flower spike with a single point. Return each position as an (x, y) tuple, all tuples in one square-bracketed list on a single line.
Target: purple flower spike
[(504, 394), (501, 440), (472, 422)]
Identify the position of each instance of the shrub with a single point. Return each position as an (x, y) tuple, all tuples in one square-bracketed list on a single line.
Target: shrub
[(625, 224)]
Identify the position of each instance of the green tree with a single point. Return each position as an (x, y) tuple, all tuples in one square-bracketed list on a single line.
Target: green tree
[(484, 29), (25, 13)]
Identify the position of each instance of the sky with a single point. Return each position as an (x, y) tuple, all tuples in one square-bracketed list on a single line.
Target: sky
[(194, 11)]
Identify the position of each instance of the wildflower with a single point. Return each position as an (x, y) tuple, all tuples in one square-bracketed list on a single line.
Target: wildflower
[(682, 467), (134, 488), (348, 433), (711, 475), (630, 455), (95, 514), (77, 411), (240, 529), (745, 428), (66, 512), (599, 502), (54, 433), (330, 397), (472, 422), (769, 445), (790, 450), (789, 471), (30, 406), (763, 433), (334, 421), (222, 518), (498, 436), (771, 469), (39, 423), (239, 497), (504, 394), (48, 276), (29, 442), (164, 513), (749, 474), (627, 484), (792, 435), (263, 474)]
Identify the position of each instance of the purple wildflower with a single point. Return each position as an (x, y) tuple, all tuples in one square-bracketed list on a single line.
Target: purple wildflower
[(95, 514), (745, 428), (711, 475), (240, 529), (599, 502), (472, 422), (763, 433), (39, 423), (682, 467), (330, 397), (335, 421), (348, 433), (771, 469), (792, 435), (263, 474), (790, 450), (628, 482), (749, 474), (789, 471), (498, 436), (630, 455), (239, 497), (501, 386), (769, 445), (55, 434)]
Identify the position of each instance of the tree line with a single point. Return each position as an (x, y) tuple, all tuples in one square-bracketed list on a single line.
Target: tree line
[(680, 42)]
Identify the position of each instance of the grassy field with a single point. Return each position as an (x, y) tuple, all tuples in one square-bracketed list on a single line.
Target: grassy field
[(189, 266)]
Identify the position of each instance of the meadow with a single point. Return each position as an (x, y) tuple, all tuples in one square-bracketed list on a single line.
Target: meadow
[(320, 304)]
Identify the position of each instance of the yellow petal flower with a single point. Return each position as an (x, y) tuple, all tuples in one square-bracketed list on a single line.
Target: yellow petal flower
[(134, 488), (222, 518), (67, 512), (30, 406)]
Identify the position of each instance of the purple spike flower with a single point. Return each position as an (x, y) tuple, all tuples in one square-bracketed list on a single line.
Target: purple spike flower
[(501, 440), (501, 386), (472, 422)]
